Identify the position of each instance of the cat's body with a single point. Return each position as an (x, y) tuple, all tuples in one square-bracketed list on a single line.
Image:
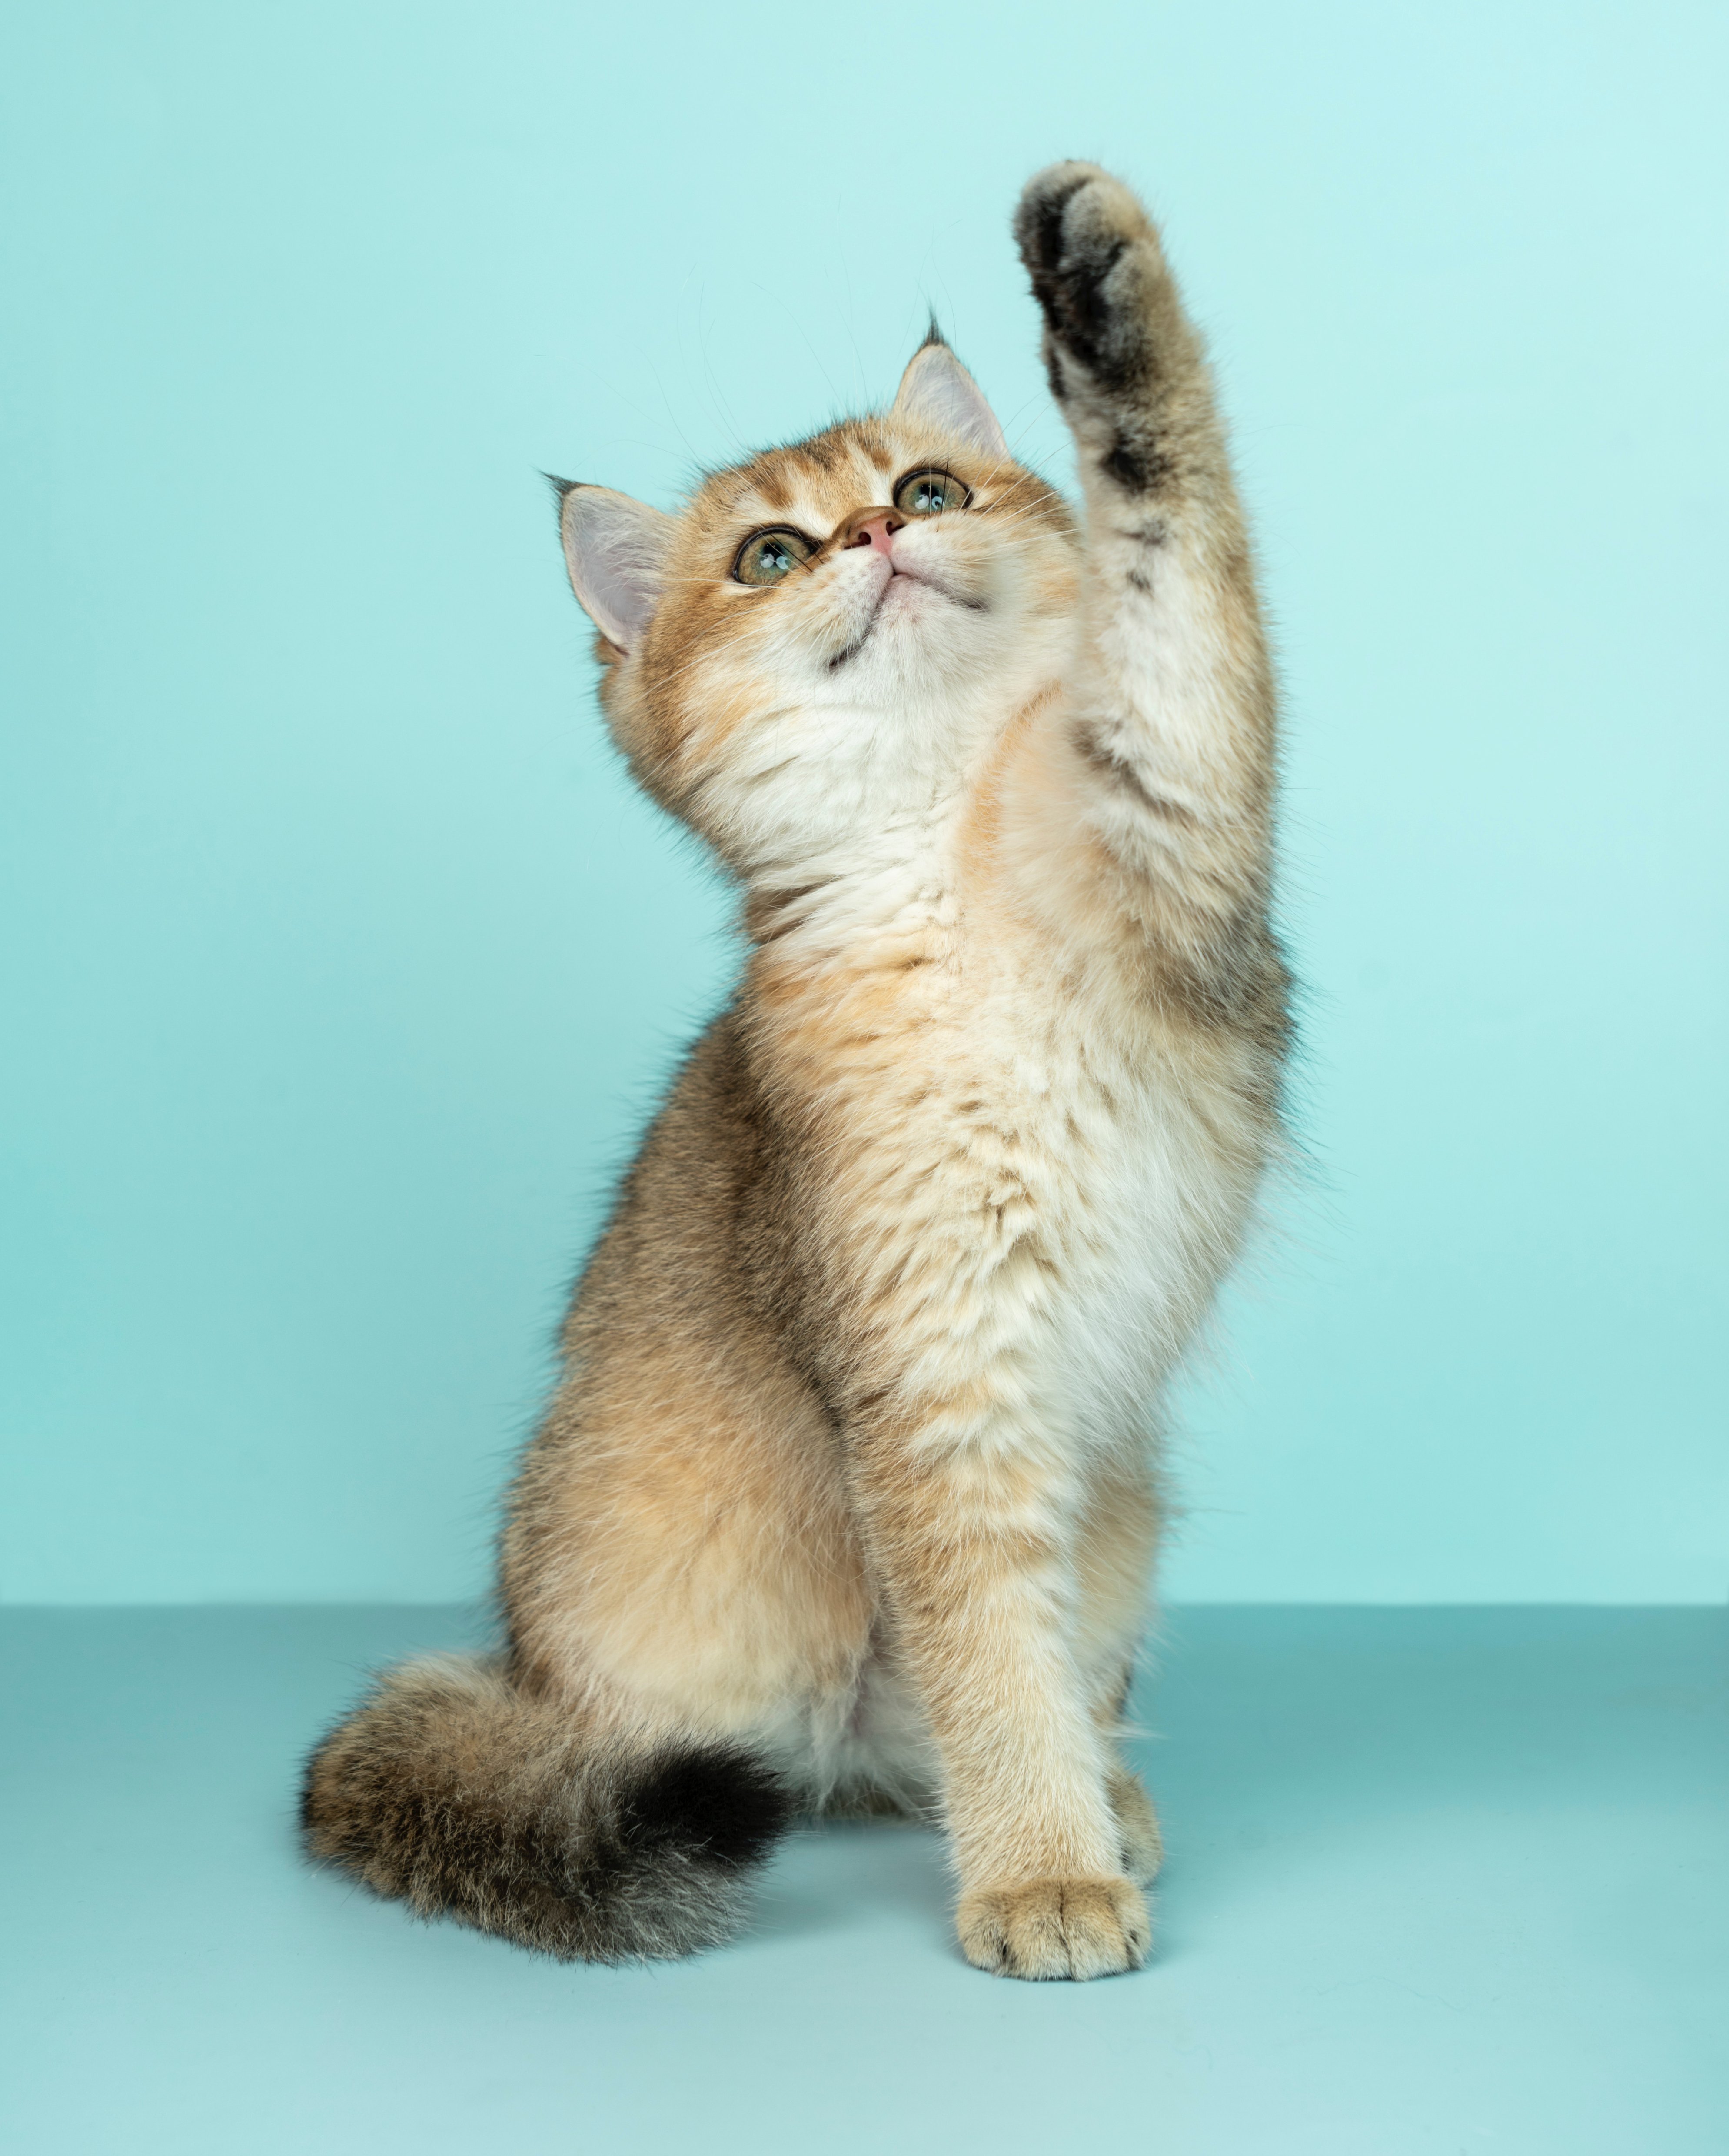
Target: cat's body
[(847, 1497)]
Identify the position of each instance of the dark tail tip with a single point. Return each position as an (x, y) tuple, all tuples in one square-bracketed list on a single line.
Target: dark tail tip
[(450, 1790), (717, 1803)]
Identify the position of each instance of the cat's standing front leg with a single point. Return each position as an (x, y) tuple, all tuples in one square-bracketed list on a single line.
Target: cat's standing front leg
[(970, 1519)]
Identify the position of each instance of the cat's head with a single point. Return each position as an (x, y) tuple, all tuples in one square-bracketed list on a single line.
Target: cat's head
[(822, 641)]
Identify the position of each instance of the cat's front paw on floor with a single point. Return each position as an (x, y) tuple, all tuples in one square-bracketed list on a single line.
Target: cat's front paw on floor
[(1055, 1927)]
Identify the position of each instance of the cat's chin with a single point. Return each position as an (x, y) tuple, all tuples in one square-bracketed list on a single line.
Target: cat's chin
[(944, 583), (909, 598), (902, 599)]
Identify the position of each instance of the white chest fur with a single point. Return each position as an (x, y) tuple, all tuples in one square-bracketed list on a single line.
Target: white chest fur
[(1132, 1211), (1029, 1167)]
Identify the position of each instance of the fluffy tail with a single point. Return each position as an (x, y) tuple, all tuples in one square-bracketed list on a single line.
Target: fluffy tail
[(453, 1791)]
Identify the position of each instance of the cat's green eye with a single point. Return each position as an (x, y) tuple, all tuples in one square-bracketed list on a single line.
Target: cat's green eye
[(929, 493), (766, 557)]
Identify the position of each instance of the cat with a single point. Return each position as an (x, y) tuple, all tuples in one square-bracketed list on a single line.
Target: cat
[(847, 1500)]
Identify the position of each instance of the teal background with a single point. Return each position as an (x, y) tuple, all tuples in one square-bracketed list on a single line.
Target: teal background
[(341, 964)]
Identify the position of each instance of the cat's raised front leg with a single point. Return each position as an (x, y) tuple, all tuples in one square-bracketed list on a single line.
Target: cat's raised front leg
[(1167, 737)]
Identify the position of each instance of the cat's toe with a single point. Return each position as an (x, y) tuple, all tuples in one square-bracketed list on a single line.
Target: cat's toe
[(1038, 218), (1043, 1928)]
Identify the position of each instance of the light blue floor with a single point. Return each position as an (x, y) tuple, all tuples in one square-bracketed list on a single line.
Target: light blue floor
[(1440, 1880)]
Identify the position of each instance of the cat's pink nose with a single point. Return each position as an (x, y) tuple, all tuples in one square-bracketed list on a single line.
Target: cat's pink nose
[(875, 527)]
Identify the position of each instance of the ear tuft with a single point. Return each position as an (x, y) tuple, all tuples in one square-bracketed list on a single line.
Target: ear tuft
[(937, 389), (615, 549)]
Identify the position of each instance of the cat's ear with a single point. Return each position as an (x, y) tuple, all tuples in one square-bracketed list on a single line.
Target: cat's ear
[(616, 551), (937, 388)]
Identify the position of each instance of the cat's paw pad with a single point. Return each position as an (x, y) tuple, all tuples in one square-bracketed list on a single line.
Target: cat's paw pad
[(1055, 1927), (1089, 248)]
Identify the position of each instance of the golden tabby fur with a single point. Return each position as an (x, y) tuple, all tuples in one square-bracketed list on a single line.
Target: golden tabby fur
[(846, 1497)]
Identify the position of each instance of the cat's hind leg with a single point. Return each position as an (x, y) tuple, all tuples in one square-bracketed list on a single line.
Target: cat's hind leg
[(687, 1620)]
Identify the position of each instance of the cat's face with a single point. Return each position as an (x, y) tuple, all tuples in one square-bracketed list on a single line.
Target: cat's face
[(828, 636)]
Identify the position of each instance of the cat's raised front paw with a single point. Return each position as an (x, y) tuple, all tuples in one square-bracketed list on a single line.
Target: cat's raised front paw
[(1055, 1927), (1089, 248)]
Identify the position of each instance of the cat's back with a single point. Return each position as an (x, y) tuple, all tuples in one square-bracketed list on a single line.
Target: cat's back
[(667, 1250)]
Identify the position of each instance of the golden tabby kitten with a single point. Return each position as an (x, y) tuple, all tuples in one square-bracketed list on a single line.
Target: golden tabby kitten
[(845, 1498)]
